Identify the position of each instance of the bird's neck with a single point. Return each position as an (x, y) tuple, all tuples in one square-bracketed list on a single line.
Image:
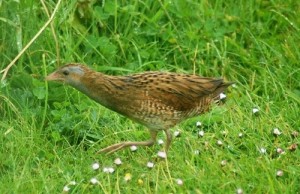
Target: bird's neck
[(97, 86)]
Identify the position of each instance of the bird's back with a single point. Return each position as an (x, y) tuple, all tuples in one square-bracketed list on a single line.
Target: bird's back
[(159, 100)]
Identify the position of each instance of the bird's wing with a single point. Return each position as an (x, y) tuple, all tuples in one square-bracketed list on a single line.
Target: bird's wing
[(182, 92)]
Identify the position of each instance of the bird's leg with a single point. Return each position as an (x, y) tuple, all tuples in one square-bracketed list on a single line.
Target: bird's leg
[(169, 139), (118, 146)]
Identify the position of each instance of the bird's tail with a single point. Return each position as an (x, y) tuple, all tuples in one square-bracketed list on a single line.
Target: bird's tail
[(220, 89)]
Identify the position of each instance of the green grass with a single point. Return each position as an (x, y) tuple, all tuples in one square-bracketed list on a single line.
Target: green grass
[(50, 133)]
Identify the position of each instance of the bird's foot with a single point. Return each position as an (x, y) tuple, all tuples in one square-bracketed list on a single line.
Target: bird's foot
[(112, 148), (118, 146)]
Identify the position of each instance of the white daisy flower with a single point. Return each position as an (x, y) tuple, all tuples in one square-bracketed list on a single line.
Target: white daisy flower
[(162, 154), (133, 148)]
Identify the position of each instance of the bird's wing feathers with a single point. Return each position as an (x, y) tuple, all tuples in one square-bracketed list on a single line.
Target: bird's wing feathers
[(181, 92)]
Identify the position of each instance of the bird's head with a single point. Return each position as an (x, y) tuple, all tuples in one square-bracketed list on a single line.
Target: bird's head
[(70, 74)]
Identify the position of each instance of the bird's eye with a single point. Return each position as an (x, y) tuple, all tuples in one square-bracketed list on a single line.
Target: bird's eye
[(65, 72)]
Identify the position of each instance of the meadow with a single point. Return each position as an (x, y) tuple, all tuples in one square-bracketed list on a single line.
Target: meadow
[(50, 133)]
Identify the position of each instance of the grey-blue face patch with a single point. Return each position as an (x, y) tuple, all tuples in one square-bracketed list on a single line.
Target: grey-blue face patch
[(77, 70)]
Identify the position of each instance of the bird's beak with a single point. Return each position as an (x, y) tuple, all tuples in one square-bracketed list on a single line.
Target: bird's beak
[(53, 77)]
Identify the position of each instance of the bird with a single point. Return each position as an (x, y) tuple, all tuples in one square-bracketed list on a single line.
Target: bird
[(157, 100)]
